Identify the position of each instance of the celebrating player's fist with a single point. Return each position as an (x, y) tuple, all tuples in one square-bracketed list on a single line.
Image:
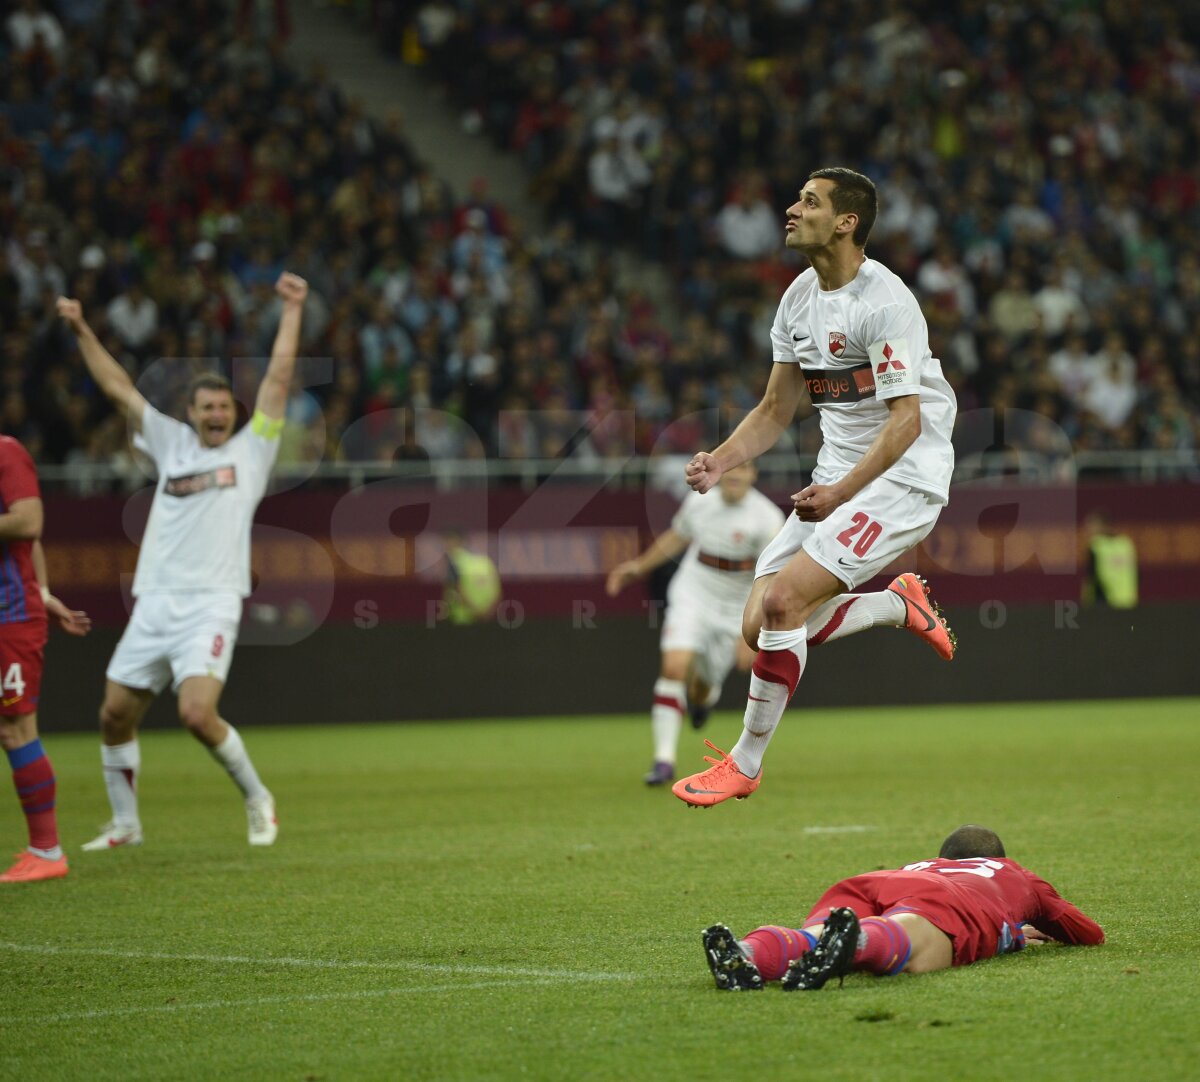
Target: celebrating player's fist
[(292, 288), (70, 310), (702, 472)]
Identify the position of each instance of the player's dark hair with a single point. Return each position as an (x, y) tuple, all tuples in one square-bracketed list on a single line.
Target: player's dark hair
[(852, 194), (207, 381), (971, 841)]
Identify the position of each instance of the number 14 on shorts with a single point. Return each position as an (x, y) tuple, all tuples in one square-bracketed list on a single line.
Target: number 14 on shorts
[(13, 685)]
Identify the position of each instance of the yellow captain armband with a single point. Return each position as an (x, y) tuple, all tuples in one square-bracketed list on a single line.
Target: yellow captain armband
[(267, 427)]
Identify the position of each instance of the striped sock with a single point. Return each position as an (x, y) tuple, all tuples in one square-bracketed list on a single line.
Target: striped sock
[(773, 679), (772, 947), (34, 779), (122, 762), (666, 718), (883, 946), (848, 614), (232, 755)]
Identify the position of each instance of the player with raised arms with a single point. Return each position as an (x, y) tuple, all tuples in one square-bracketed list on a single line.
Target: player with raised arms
[(193, 569), (851, 336)]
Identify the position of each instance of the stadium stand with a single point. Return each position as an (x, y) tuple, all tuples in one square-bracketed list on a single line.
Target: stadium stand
[(1038, 174), (1038, 177)]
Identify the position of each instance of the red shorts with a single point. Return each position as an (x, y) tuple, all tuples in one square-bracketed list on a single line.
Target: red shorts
[(974, 931), (22, 649)]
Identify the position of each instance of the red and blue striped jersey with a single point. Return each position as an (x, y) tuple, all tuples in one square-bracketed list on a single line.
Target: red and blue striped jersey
[(20, 595)]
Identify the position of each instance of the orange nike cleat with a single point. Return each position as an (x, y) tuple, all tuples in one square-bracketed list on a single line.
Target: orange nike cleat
[(29, 868), (719, 782), (924, 618)]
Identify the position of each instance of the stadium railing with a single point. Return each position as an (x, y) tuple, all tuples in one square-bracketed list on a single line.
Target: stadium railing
[(775, 470)]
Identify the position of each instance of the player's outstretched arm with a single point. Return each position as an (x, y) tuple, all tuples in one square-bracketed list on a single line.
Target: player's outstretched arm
[(110, 377), (1063, 921), (666, 546), (276, 384), (72, 621), (759, 431)]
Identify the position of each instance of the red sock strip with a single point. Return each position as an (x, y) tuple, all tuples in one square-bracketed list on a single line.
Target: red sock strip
[(778, 667), (775, 946), (886, 949)]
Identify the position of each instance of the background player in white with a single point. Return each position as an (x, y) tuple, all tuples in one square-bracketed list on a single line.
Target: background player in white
[(701, 632), (194, 565), (850, 335)]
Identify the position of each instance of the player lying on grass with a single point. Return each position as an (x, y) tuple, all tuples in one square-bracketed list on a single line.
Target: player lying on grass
[(969, 904)]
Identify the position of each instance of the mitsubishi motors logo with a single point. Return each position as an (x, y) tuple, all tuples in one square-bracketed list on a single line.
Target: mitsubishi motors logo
[(837, 343), (887, 362)]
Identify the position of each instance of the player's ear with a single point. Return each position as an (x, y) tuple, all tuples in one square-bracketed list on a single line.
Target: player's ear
[(848, 222)]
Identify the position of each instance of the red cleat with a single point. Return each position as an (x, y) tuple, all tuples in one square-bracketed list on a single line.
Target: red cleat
[(719, 782), (924, 618), (30, 868)]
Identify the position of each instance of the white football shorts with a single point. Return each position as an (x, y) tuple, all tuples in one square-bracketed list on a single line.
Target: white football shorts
[(172, 636), (710, 634), (862, 537)]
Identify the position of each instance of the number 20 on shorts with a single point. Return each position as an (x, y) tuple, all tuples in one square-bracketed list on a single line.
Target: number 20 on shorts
[(867, 537)]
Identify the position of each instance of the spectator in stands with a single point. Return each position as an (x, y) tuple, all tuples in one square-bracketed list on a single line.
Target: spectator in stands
[(33, 30), (1058, 306), (692, 101), (747, 226), (1012, 311), (133, 317)]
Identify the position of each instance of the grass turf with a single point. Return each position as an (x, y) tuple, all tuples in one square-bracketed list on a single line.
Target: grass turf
[(505, 899)]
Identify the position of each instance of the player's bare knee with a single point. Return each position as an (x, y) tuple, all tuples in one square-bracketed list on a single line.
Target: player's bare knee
[(11, 736), (200, 719), (117, 723), (777, 603), (673, 669)]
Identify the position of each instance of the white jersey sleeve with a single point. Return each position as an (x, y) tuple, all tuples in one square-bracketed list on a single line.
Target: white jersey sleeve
[(898, 345), (161, 435)]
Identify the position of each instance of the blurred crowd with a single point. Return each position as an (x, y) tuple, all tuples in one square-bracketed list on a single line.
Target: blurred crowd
[(1038, 167), (1039, 179)]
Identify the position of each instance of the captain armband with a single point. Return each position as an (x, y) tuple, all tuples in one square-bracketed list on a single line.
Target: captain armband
[(269, 428)]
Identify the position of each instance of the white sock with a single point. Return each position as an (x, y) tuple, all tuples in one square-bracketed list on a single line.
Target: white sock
[(122, 763), (231, 753), (666, 718), (768, 698), (849, 613), (47, 854)]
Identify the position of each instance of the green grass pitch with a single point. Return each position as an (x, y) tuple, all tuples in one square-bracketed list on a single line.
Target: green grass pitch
[(505, 899)]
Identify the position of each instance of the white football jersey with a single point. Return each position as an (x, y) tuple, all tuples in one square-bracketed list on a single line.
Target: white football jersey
[(858, 346), (737, 532), (198, 533)]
